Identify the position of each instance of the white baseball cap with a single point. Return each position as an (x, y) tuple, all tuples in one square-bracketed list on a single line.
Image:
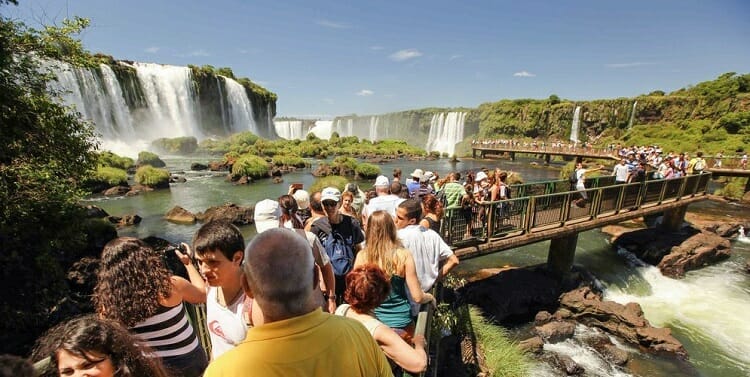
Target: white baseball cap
[(303, 199), (267, 214), (330, 193), (382, 181), (480, 176)]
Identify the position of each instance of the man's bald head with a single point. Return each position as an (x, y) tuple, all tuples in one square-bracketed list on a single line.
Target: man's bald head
[(279, 269)]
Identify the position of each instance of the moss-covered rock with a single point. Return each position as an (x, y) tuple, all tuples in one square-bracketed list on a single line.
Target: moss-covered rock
[(331, 181), (289, 160), (109, 159), (367, 171), (149, 158), (150, 176), (250, 166)]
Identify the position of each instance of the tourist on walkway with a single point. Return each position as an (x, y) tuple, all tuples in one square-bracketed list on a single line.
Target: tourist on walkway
[(621, 172), (292, 336), (92, 346), (135, 288), (432, 213), (581, 172), (219, 249), (367, 286), (385, 250), (433, 258)]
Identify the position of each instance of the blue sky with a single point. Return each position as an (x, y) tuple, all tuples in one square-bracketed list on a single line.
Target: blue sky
[(328, 58)]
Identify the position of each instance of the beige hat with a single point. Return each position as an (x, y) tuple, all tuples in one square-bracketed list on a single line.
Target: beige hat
[(267, 214), (303, 199)]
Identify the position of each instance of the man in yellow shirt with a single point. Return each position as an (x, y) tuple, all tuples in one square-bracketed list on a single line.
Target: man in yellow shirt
[(292, 336)]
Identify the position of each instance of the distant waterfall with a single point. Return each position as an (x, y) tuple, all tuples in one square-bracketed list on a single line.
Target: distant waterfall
[(133, 104), (290, 129), (322, 129), (575, 125), (632, 115), (446, 130), (240, 107)]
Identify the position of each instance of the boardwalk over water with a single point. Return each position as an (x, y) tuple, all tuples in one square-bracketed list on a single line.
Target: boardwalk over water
[(545, 210)]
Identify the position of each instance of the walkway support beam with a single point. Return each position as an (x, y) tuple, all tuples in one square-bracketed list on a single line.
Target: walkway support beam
[(673, 218), (561, 253)]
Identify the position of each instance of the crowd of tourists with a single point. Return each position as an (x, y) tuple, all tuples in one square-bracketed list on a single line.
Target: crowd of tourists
[(330, 285)]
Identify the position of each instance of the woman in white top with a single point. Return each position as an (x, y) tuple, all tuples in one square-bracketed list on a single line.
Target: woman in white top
[(581, 172), (366, 287)]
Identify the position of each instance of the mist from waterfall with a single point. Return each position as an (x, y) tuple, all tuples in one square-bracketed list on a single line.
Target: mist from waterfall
[(446, 130), (575, 125), (322, 129), (632, 115)]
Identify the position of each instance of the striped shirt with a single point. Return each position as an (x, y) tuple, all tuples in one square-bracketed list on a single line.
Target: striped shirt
[(168, 332)]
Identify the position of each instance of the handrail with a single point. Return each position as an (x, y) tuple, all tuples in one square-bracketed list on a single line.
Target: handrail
[(423, 327), (481, 223)]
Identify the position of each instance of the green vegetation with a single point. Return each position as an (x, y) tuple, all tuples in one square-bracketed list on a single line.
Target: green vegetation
[(289, 160), (251, 166), (501, 356), (734, 188), (365, 170), (254, 88), (46, 151), (149, 158), (332, 181), (180, 145), (109, 159), (148, 175), (112, 176)]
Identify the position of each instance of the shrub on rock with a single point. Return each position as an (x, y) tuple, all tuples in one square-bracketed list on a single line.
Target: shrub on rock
[(150, 176), (109, 159), (180, 145), (148, 158), (331, 181), (251, 166), (366, 171)]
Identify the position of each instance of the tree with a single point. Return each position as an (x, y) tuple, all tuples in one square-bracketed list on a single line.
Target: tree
[(46, 151), (554, 99)]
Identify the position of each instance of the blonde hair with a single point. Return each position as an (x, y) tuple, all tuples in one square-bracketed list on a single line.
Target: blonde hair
[(383, 243)]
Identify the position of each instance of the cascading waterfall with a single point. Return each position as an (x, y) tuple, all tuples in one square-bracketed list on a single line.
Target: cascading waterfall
[(574, 126), (322, 129), (154, 101), (290, 129), (241, 109), (120, 110), (632, 115), (741, 237), (708, 305), (171, 100), (446, 130)]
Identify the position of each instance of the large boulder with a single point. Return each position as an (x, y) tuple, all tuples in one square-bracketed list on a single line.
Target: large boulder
[(697, 251), (180, 215), (678, 252), (556, 331), (626, 321), (116, 191), (231, 212)]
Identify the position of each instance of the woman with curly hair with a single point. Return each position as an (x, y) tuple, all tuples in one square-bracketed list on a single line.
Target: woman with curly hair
[(135, 288), (384, 249), (366, 287), (432, 211), (91, 346)]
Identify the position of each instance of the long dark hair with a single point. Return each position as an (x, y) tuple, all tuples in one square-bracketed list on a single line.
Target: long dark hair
[(289, 209), (132, 278), (96, 339)]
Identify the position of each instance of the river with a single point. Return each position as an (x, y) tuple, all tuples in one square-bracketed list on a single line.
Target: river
[(705, 310)]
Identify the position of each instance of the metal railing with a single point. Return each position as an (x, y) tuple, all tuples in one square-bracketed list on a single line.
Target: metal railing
[(546, 148), (556, 207)]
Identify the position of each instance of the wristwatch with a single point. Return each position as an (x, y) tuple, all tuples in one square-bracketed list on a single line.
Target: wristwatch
[(329, 297)]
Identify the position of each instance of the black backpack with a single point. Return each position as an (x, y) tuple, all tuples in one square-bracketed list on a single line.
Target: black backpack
[(573, 178)]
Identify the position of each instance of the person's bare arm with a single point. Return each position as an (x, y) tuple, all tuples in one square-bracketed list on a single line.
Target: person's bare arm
[(411, 359)]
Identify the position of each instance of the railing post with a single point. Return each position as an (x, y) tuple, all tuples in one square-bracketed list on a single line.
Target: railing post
[(490, 210), (530, 218), (620, 198)]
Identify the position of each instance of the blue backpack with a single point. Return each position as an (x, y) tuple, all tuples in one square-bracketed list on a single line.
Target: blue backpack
[(340, 252)]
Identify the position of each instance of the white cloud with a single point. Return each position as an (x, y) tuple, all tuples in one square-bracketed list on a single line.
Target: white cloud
[(365, 92), (200, 52), (376, 48), (524, 74), (331, 24), (152, 50), (402, 55), (627, 65)]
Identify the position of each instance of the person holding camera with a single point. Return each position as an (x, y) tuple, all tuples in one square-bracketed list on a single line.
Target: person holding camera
[(135, 288)]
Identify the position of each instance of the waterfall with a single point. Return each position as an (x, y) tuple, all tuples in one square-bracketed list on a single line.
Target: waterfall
[(222, 104), (240, 108), (632, 115), (290, 129), (446, 130), (322, 129), (575, 125), (741, 237), (171, 100), (374, 120), (120, 110)]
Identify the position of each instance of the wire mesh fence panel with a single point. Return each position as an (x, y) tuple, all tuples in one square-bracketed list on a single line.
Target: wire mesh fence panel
[(672, 189), (652, 191), (609, 197), (630, 196), (551, 211)]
